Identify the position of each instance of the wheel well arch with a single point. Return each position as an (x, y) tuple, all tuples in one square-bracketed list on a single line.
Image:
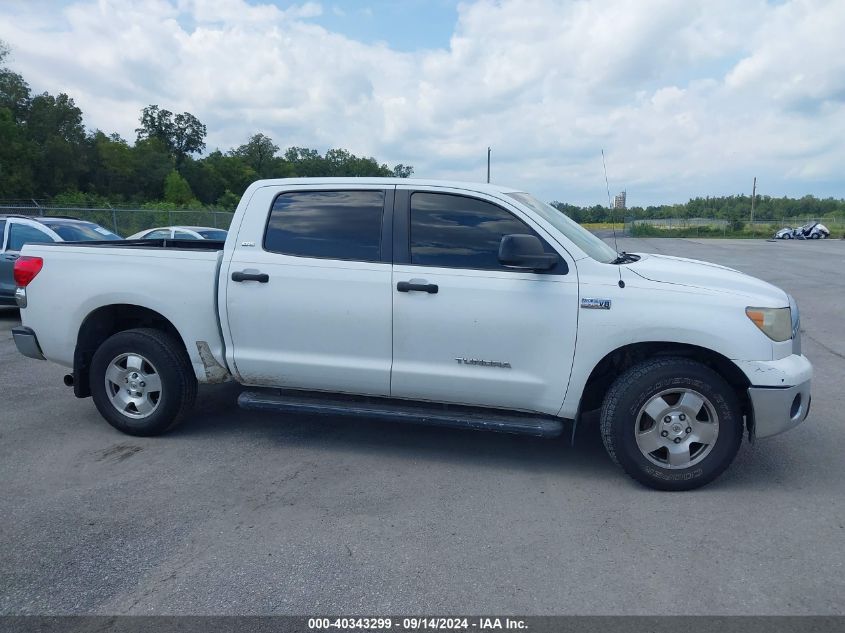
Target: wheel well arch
[(616, 362), (102, 323)]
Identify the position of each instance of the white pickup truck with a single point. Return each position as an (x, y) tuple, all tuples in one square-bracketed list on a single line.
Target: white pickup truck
[(444, 303)]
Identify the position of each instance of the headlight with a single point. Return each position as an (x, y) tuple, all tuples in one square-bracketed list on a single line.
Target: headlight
[(776, 323), (796, 319)]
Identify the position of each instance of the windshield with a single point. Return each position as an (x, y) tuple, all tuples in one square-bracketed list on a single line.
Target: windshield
[(581, 237), (213, 234), (82, 232)]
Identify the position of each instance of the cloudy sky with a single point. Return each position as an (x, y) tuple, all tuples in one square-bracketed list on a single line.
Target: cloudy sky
[(686, 97)]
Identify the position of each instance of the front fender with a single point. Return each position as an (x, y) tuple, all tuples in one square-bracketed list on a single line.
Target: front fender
[(652, 312)]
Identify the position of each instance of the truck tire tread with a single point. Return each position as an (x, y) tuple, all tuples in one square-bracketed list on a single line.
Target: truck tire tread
[(640, 374), (174, 360)]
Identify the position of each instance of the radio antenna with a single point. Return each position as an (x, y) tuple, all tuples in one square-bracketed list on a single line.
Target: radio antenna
[(609, 205)]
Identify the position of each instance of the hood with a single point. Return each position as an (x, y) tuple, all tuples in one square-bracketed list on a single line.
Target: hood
[(697, 274)]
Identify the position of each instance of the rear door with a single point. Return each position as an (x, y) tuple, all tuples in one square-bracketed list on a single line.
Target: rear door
[(17, 233), (489, 335), (308, 289)]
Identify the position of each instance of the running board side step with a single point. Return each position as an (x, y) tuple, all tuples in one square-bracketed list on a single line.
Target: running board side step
[(456, 417)]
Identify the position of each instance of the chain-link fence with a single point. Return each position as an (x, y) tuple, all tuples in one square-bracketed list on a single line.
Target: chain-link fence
[(721, 227), (122, 221)]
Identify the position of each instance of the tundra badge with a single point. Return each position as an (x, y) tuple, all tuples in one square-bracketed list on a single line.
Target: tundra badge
[(595, 304), (483, 363)]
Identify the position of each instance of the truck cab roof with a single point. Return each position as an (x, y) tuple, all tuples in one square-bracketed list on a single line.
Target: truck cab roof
[(387, 182)]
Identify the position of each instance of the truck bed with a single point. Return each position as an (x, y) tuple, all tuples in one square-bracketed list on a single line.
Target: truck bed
[(175, 278)]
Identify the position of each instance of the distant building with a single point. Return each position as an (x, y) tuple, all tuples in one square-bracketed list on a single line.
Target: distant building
[(619, 201)]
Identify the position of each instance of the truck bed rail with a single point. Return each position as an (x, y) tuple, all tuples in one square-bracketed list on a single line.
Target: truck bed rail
[(192, 245)]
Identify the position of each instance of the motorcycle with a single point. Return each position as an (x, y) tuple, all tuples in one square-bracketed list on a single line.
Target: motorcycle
[(810, 231)]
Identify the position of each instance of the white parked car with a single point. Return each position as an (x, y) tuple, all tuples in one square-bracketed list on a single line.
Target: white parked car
[(452, 304), (180, 233)]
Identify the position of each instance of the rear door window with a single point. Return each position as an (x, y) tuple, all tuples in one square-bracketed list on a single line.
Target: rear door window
[(20, 234), (327, 224)]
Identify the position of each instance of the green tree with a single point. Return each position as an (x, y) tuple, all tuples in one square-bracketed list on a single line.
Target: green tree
[(14, 91), (304, 161), (177, 190), (16, 157), (403, 171), (228, 201), (110, 166), (205, 180), (182, 134), (151, 162), (16, 150), (54, 125), (233, 172), (258, 152)]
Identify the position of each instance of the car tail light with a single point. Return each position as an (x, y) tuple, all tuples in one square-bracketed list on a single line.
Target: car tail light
[(26, 268)]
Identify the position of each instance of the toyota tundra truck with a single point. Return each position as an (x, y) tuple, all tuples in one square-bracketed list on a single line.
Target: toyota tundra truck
[(443, 303)]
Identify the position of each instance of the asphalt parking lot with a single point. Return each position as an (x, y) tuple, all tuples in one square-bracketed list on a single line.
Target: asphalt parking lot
[(242, 512)]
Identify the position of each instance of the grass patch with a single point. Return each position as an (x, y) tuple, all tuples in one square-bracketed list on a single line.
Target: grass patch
[(590, 226)]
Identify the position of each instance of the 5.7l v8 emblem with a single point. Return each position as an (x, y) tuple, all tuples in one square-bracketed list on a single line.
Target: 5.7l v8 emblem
[(595, 304)]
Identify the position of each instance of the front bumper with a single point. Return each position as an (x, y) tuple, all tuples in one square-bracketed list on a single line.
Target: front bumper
[(776, 410), (779, 393), (27, 342)]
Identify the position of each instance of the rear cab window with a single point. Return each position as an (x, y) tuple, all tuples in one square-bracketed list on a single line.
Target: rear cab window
[(336, 224)]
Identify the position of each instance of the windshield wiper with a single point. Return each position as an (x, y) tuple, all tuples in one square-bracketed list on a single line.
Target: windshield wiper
[(626, 258)]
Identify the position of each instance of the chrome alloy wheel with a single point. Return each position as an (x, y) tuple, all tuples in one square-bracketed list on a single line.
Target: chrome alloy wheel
[(677, 428), (133, 385)]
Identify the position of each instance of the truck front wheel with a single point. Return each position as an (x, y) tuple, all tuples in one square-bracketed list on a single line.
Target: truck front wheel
[(142, 382), (671, 423)]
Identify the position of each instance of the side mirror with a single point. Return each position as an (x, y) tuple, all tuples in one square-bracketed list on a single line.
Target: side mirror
[(525, 252)]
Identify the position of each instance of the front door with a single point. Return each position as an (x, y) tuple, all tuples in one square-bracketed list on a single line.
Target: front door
[(467, 329), (307, 292)]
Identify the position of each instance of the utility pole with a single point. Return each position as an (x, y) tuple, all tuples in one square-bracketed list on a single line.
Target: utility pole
[(488, 164), (753, 197)]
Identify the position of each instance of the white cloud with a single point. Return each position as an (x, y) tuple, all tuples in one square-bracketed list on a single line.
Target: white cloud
[(686, 98)]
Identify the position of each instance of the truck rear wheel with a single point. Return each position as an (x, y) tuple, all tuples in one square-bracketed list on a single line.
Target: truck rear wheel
[(142, 382), (672, 423)]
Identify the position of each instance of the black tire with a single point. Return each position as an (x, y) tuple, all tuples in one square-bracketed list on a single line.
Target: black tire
[(165, 358), (622, 420)]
